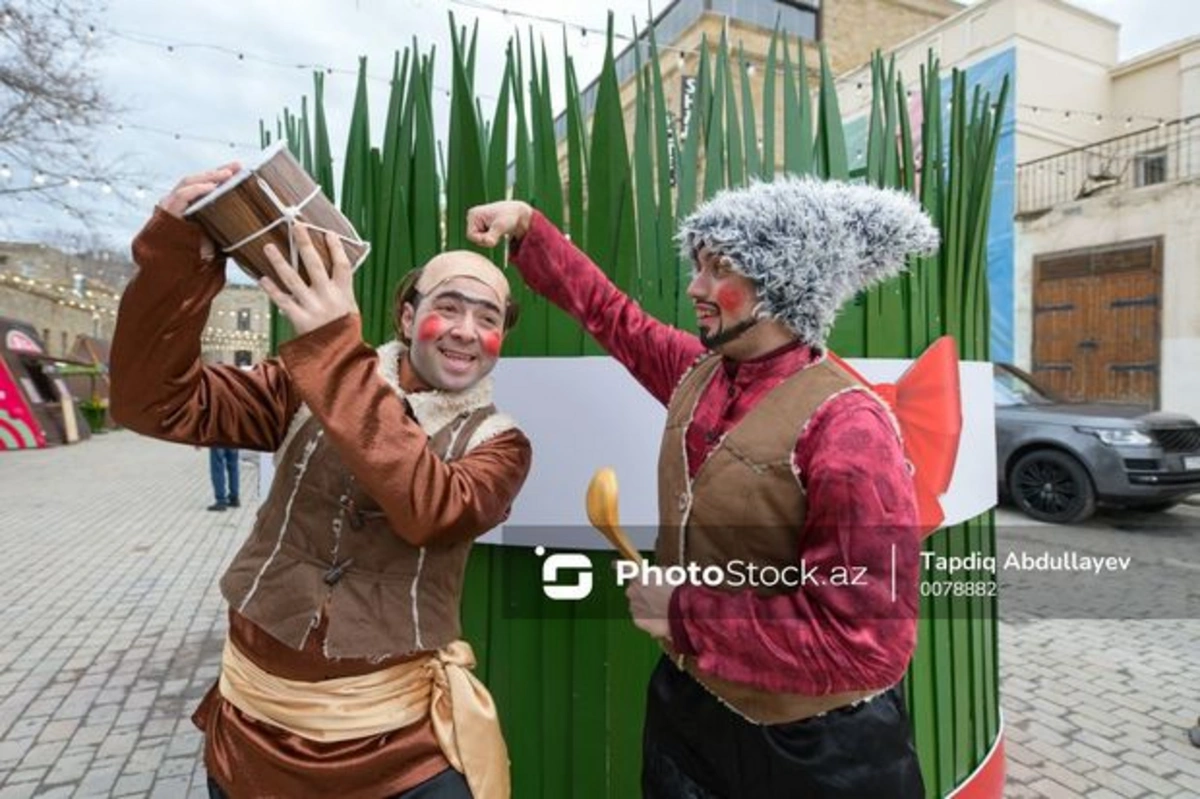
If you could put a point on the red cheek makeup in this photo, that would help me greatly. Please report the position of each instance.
(490, 342)
(730, 298)
(431, 329)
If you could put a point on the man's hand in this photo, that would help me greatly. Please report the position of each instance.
(327, 298)
(649, 605)
(488, 224)
(192, 188)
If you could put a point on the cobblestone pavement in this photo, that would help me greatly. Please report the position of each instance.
(114, 627)
(1097, 705)
(113, 623)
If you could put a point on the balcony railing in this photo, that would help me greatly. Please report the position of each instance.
(1162, 154)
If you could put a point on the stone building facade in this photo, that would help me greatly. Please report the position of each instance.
(65, 296)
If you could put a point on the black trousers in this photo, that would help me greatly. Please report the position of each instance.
(694, 747)
(448, 784)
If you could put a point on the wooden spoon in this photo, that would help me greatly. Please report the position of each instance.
(602, 512)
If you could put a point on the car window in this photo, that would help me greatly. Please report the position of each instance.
(1010, 389)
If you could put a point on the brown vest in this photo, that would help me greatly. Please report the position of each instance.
(746, 503)
(321, 544)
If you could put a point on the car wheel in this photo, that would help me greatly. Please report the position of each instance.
(1052, 486)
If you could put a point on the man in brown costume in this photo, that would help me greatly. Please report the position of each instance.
(343, 673)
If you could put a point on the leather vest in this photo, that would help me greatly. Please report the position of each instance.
(746, 503)
(322, 545)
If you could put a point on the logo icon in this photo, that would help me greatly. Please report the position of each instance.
(575, 565)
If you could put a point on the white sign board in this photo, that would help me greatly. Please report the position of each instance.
(585, 413)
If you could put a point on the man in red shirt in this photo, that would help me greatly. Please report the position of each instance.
(777, 462)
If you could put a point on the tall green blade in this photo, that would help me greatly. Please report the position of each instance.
(914, 290)
(714, 146)
(743, 144)
(358, 147)
(768, 125)
(932, 271)
(548, 182)
(426, 202)
(529, 337)
(891, 161)
(830, 160)
(471, 53)
(355, 173)
(563, 336)
(387, 197)
(465, 179)
(793, 146)
(804, 124)
(497, 160)
(523, 187)
(876, 140)
(645, 183)
(887, 313)
(612, 234)
(306, 156)
(322, 154)
(576, 156)
(665, 143)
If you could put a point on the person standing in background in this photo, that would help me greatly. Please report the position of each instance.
(223, 469)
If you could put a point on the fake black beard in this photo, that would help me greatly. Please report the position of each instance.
(726, 335)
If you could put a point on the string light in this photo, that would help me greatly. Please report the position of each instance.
(1096, 116)
(174, 45)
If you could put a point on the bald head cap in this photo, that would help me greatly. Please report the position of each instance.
(463, 263)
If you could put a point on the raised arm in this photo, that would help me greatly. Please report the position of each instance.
(655, 353)
(160, 387)
(426, 499)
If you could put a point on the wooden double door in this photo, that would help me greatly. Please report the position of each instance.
(1096, 322)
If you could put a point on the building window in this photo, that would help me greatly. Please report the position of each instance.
(63, 352)
(243, 357)
(46, 338)
(1150, 167)
(243, 319)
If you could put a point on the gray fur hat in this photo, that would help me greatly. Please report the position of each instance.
(810, 245)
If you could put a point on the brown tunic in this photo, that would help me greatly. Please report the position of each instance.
(161, 388)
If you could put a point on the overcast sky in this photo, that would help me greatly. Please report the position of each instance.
(200, 87)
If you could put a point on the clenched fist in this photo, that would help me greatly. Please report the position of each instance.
(488, 224)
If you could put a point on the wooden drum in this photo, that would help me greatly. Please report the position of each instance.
(262, 204)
